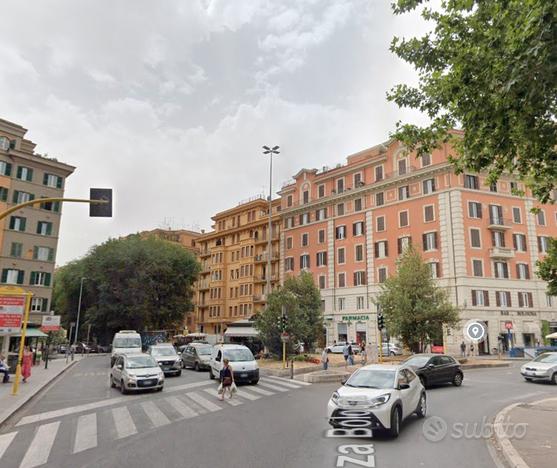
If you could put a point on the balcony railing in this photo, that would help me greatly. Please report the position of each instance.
(501, 252)
(201, 285)
(259, 298)
(263, 278)
(264, 257)
(496, 222)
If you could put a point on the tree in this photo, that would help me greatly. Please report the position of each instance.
(131, 283)
(302, 302)
(413, 306)
(547, 268)
(489, 66)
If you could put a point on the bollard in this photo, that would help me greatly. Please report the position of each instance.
(292, 369)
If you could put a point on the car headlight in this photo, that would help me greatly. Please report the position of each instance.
(132, 376)
(380, 400)
(335, 397)
(161, 374)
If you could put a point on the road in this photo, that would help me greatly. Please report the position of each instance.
(80, 422)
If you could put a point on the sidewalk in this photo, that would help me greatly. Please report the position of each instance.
(538, 447)
(40, 377)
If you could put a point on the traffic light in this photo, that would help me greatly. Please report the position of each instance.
(380, 321)
(284, 322)
(100, 210)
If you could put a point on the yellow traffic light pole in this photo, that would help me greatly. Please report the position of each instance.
(22, 343)
(39, 201)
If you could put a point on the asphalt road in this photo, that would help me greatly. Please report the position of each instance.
(80, 422)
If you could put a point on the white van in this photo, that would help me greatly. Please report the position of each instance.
(241, 359)
(125, 342)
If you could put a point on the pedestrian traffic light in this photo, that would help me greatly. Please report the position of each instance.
(284, 322)
(380, 321)
(100, 210)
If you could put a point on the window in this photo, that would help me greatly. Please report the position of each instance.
(321, 191)
(321, 236)
(358, 228)
(341, 232)
(381, 249)
(525, 299)
(322, 281)
(429, 213)
(501, 269)
(341, 303)
(471, 182)
(289, 223)
(541, 218)
(378, 173)
(480, 297)
(475, 210)
(359, 278)
(44, 228)
(5, 168)
(379, 199)
(340, 209)
(496, 215)
(517, 215)
(321, 259)
(522, 271)
(51, 206)
(428, 186)
(45, 254)
(549, 300)
(10, 276)
(304, 239)
(403, 243)
(289, 201)
(519, 242)
(289, 242)
(358, 180)
(39, 304)
(478, 267)
(498, 239)
(340, 185)
(380, 223)
(3, 194)
(304, 261)
(320, 214)
(429, 240)
(381, 274)
(543, 244)
(341, 280)
(304, 219)
(55, 181)
(40, 278)
(289, 264)
(305, 196)
(493, 187)
(403, 219)
(426, 160)
(475, 238)
(358, 204)
(360, 302)
(340, 256)
(17, 223)
(22, 197)
(434, 269)
(24, 173)
(402, 166)
(403, 192)
(359, 253)
(503, 299)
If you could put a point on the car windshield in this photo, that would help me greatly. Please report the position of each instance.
(163, 351)
(417, 361)
(546, 358)
(372, 378)
(127, 342)
(204, 350)
(238, 355)
(140, 362)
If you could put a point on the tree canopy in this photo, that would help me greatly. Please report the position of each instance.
(131, 283)
(547, 268)
(413, 306)
(489, 67)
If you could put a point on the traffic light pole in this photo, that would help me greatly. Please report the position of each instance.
(39, 201)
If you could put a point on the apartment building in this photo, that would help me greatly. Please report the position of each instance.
(347, 226)
(234, 261)
(29, 237)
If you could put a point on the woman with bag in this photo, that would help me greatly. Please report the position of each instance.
(226, 380)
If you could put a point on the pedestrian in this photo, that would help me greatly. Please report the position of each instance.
(4, 369)
(463, 349)
(472, 349)
(26, 363)
(350, 355)
(363, 353)
(325, 358)
(345, 354)
(226, 379)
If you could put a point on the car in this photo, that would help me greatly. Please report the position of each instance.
(125, 342)
(338, 348)
(81, 348)
(196, 355)
(381, 396)
(168, 359)
(136, 372)
(389, 349)
(436, 369)
(241, 359)
(544, 367)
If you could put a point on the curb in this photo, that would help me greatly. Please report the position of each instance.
(28, 398)
(484, 366)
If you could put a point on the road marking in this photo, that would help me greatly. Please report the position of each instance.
(5, 441)
(123, 422)
(184, 410)
(230, 401)
(284, 384)
(256, 389)
(272, 387)
(86, 433)
(247, 395)
(40, 447)
(208, 405)
(156, 416)
(296, 382)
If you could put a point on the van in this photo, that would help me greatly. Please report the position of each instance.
(125, 342)
(241, 359)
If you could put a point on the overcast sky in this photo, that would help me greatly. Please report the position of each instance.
(169, 102)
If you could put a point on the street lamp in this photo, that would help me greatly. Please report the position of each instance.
(270, 152)
(78, 309)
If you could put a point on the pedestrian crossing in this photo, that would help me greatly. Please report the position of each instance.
(40, 440)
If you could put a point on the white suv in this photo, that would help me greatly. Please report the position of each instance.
(381, 396)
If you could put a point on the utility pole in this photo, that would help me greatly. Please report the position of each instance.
(78, 309)
(270, 152)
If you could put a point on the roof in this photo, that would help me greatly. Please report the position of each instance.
(382, 367)
(241, 331)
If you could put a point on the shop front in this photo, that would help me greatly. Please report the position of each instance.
(359, 328)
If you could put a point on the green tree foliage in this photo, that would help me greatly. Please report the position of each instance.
(302, 301)
(547, 268)
(131, 283)
(489, 67)
(413, 306)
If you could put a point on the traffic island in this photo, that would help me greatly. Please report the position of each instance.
(326, 376)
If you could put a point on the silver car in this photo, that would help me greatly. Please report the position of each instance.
(544, 367)
(167, 357)
(136, 372)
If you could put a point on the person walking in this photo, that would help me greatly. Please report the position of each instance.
(4, 369)
(226, 379)
(472, 349)
(325, 359)
(463, 349)
(345, 354)
(26, 363)
(350, 355)
(363, 353)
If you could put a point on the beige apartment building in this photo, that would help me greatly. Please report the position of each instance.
(29, 237)
(234, 264)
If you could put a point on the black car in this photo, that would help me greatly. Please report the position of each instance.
(436, 369)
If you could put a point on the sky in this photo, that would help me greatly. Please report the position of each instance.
(169, 102)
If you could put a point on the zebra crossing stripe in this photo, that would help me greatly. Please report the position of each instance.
(256, 389)
(86, 433)
(184, 410)
(157, 417)
(5, 441)
(39, 449)
(208, 405)
(282, 379)
(247, 395)
(271, 386)
(230, 401)
(123, 422)
(284, 384)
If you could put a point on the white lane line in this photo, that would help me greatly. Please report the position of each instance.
(86, 433)
(284, 384)
(5, 441)
(98, 404)
(39, 450)
(184, 410)
(272, 387)
(123, 422)
(156, 416)
(247, 395)
(256, 389)
(230, 401)
(208, 405)
(297, 382)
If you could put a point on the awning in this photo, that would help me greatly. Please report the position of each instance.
(32, 333)
(241, 331)
(551, 336)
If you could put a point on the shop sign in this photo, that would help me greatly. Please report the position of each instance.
(355, 318)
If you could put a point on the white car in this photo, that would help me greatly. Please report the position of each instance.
(389, 349)
(136, 372)
(544, 367)
(338, 348)
(241, 360)
(381, 396)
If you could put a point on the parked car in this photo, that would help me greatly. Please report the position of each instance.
(168, 359)
(389, 349)
(382, 396)
(338, 347)
(241, 359)
(136, 372)
(81, 348)
(436, 369)
(196, 355)
(544, 367)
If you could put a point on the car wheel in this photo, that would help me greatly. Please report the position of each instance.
(553, 379)
(211, 376)
(528, 379)
(196, 367)
(179, 373)
(112, 384)
(159, 389)
(423, 380)
(123, 388)
(254, 382)
(457, 379)
(422, 406)
(394, 431)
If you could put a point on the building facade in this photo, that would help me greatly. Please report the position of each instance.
(234, 264)
(29, 237)
(349, 224)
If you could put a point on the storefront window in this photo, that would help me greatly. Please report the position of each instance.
(342, 332)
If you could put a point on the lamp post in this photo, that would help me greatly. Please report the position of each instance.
(78, 309)
(270, 152)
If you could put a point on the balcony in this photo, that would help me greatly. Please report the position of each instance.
(497, 223)
(259, 298)
(263, 278)
(205, 253)
(264, 239)
(203, 285)
(262, 258)
(501, 252)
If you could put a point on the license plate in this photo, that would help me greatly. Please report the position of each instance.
(243, 375)
(529, 372)
(146, 383)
